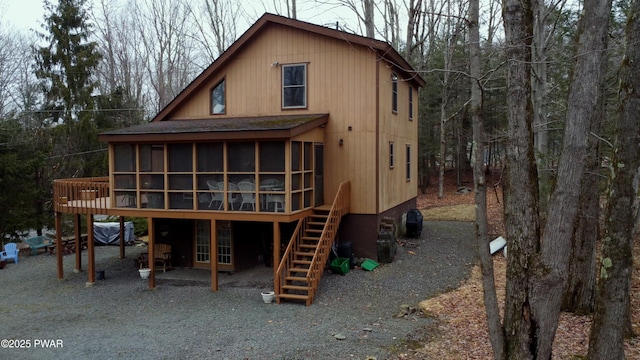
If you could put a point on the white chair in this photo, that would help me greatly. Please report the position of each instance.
(232, 194)
(248, 194)
(216, 194)
(277, 201)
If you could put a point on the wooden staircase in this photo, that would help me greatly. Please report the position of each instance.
(303, 262)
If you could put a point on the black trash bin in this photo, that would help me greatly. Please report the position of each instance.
(414, 223)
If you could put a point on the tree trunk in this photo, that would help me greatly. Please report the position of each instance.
(490, 297)
(368, 18)
(521, 181)
(539, 100)
(443, 132)
(606, 340)
(583, 108)
(580, 294)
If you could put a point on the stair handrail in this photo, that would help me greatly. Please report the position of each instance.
(287, 257)
(339, 208)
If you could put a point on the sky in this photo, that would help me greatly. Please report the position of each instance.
(28, 14)
(23, 14)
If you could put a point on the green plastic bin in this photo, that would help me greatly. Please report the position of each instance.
(340, 266)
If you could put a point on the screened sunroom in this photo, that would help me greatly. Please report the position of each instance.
(266, 174)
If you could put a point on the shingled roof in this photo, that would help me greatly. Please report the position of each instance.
(263, 127)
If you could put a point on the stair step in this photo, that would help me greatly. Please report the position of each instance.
(316, 223)
(306, 253)
(308, 246)
(293, 296)
(305, 262)
(295, 287)
(311, 238)
(298, 270)
(295, 278)
(318, 231)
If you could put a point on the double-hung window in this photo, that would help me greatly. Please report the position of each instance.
(294, 86)
(408, 162)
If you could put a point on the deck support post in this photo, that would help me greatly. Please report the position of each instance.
(213, 255)
(77, 229)
(91, 253)
(276, 253)
(122, 255)
(58, 224)
(151, 253)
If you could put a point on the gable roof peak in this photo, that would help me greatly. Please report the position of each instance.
(384, 49)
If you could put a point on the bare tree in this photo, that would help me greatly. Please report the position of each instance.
(612, 300)
(122, 69)
(215, 25)
(14, 56)
(454, 23)
(490, 297)
(363, 9)
(163, 27)
(584, 107)
(521, 181)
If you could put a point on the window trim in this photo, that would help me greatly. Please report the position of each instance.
(305, 86)
(224, 97)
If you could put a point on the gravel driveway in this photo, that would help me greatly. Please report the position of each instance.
(119, 318)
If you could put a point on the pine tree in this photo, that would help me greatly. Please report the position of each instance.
(67, 63)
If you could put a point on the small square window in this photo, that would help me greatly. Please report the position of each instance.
(218, 98)
(294, 86)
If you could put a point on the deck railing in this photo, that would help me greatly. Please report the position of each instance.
(339, 208)
(81, 196)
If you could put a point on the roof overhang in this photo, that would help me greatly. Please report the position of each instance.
(236, 128)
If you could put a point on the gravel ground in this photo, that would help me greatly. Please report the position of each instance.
(119, 318)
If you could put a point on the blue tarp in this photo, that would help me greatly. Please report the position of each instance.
(108, 233)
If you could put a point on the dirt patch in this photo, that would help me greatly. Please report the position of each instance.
(450, 213)
(457, 337)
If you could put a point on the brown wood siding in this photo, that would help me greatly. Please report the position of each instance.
(397, 128)
(341, 82)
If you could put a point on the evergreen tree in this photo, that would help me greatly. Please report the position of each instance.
(67, 63)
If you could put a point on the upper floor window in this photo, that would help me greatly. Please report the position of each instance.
(218, 99)
(410, 103)
(394, 92)
(294, 86)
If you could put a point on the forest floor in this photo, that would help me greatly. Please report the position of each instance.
(460, 330)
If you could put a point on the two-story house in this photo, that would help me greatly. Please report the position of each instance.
(296, 137)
